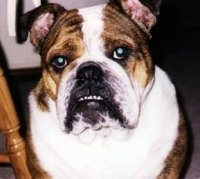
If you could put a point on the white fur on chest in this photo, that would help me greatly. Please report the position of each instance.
(140, 153)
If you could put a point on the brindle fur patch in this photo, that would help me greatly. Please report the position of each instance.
(139, 65)
(64, 39)
(41, 96)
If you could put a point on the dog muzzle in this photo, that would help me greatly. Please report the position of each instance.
(94, 98)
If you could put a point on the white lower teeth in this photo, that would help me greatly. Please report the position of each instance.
(91, 97)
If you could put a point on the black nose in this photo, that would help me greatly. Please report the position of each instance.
(89, 73)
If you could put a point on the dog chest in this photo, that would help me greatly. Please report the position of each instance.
(102, 158)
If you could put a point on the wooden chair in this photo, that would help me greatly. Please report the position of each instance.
(9, 125)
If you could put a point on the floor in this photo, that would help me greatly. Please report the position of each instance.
(179, 54)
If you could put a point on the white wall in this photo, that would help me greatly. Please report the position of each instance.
(23, 55)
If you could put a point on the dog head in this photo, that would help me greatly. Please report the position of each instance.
(95, 61)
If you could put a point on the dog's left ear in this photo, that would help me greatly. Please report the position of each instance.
(143, 12)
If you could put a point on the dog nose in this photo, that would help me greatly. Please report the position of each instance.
(89, 73)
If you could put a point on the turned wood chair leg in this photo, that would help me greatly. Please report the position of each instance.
(9, 125)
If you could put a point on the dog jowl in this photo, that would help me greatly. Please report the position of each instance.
(102, 109)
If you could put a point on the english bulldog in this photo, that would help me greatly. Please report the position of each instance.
(102, 109)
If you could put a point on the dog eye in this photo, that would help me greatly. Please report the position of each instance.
(121, 53)
(59, 62)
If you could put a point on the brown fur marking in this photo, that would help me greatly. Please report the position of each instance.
(64, 39)
(139, 65)
(176, 157)
(41, 96)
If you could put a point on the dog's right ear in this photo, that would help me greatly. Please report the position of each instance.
(38, 22)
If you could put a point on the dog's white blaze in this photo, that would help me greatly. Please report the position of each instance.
(92, 29)
(64, 156)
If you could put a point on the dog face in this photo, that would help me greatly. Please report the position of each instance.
(96, 66)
